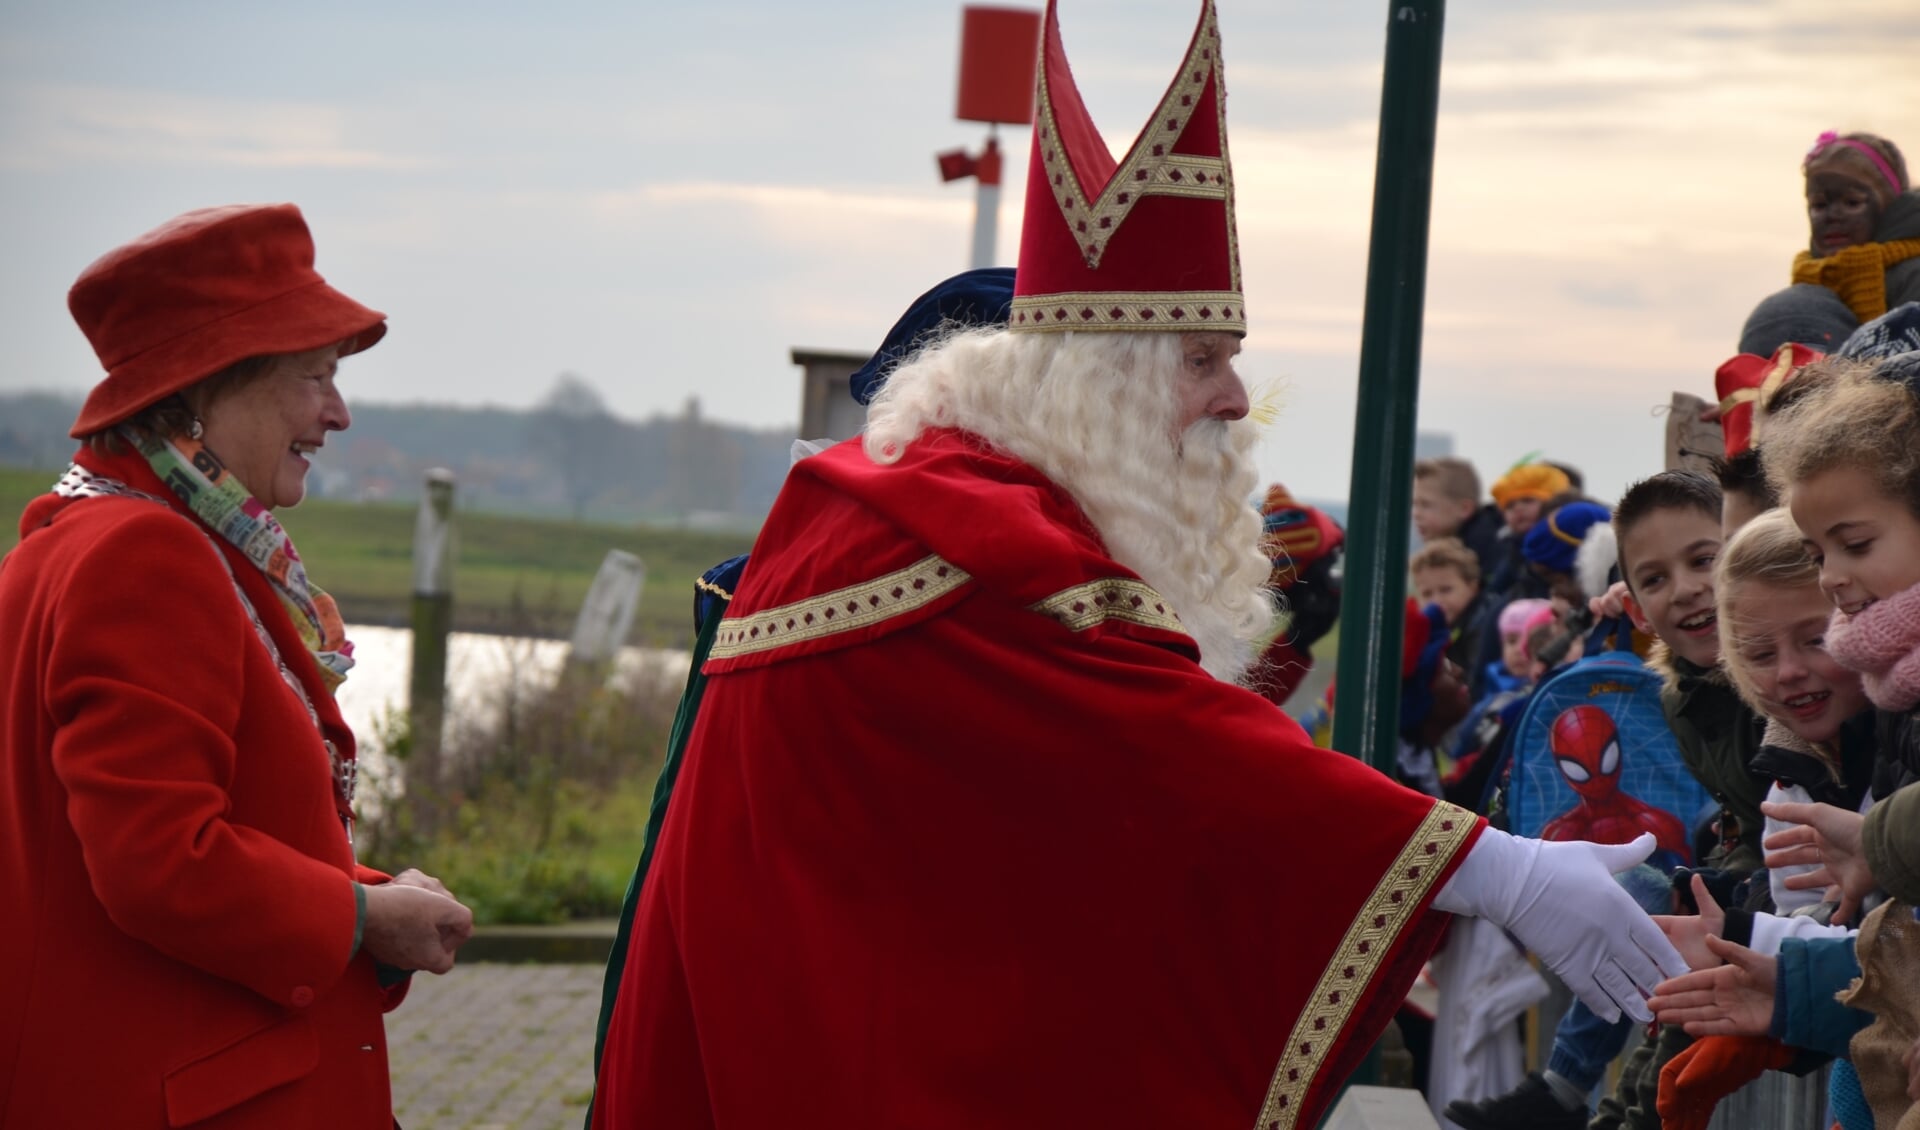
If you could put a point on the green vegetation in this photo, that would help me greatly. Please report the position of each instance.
(515, 574)
(537, 810)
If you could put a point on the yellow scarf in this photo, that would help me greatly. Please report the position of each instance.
(1858, 274)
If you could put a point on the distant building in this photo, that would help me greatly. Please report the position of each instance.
(827, 407)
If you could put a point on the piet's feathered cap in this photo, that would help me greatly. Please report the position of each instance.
(1146, 243)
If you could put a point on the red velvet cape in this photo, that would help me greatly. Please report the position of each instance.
(966, 837)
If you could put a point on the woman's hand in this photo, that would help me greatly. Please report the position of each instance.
(1689, 932)
(1827, 836)
(1734, 999)
(412, 877)
(411, 927)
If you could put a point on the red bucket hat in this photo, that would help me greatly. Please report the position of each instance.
(199, 293)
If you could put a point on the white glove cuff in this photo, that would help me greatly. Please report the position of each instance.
(1489, 882)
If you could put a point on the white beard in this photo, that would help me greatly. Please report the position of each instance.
(1094, 412)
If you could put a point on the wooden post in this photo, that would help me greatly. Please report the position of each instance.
(606, 615)
(433, 554)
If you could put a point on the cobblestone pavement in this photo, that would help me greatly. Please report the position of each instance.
(495, 1047)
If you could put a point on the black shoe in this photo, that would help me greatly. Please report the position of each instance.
(1530, 1106)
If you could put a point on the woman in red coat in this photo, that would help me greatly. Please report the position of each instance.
(188, 939)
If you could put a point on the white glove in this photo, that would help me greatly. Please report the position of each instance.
(1560, 900)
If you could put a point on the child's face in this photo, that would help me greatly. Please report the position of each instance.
(1513, 653)
(1867, 544)
(1443, 585)
(1780, 646)
(1434, 514)
(1668, 560)
(1841, 212)
(1521, 514)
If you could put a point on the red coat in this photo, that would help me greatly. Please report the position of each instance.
(965, 837)
(178, 885)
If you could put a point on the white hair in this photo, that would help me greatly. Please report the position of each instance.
(1096, 412)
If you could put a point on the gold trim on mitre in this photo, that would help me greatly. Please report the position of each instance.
(1151, 168)
(1193, 311)
(1362, 952)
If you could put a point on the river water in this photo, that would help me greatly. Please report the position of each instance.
(479, 668)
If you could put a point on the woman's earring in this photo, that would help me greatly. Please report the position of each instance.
(195, 430)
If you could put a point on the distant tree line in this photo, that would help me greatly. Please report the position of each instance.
(570, 454)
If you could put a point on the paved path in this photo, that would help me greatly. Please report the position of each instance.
(495, 1047)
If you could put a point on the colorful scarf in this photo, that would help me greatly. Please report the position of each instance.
(1858, 274)
(198, 477)
(1882, 642)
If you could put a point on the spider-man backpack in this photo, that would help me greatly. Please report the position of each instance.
(1592, 758)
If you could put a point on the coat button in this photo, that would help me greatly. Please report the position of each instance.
(302, 996)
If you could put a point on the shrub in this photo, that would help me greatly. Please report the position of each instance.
(542, 801)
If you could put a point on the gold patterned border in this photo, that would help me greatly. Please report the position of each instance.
(1187, 311)
(1366, 945)
(1149, 169)
(842, 610)
(1113, 598)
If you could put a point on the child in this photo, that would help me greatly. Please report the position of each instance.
(1518, 496)
(1864, 223)
(1445, 572)
(1446, 504)
(1818, 744)
(1523, 490)
(1847, 457)
(1572, 549)
(1516, 659)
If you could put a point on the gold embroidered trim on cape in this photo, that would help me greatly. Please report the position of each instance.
(1191, 311)
(842, 610)
(1149, 169)
(1113, 598)
(1370, 937)
(705, 585)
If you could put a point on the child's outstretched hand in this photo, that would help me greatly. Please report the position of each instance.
(1734, 999)
(1689, 932)
(1827, 836)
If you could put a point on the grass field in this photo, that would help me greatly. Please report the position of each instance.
(514, 574)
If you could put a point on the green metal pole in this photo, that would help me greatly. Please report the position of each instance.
(1366, 711)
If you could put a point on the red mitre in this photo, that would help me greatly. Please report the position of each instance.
(1748, 379)
(1149, 243)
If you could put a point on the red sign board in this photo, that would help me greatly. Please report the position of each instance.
(999, 48)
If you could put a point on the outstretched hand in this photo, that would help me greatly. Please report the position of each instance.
(1689, 932)
(1733, 999)
(1565, 906)
(1826, 836)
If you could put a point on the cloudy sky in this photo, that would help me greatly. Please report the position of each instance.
(665, 198)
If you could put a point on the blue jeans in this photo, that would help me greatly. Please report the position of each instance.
(1584, 1044)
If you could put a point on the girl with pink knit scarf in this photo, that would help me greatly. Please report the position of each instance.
(1846, 457)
